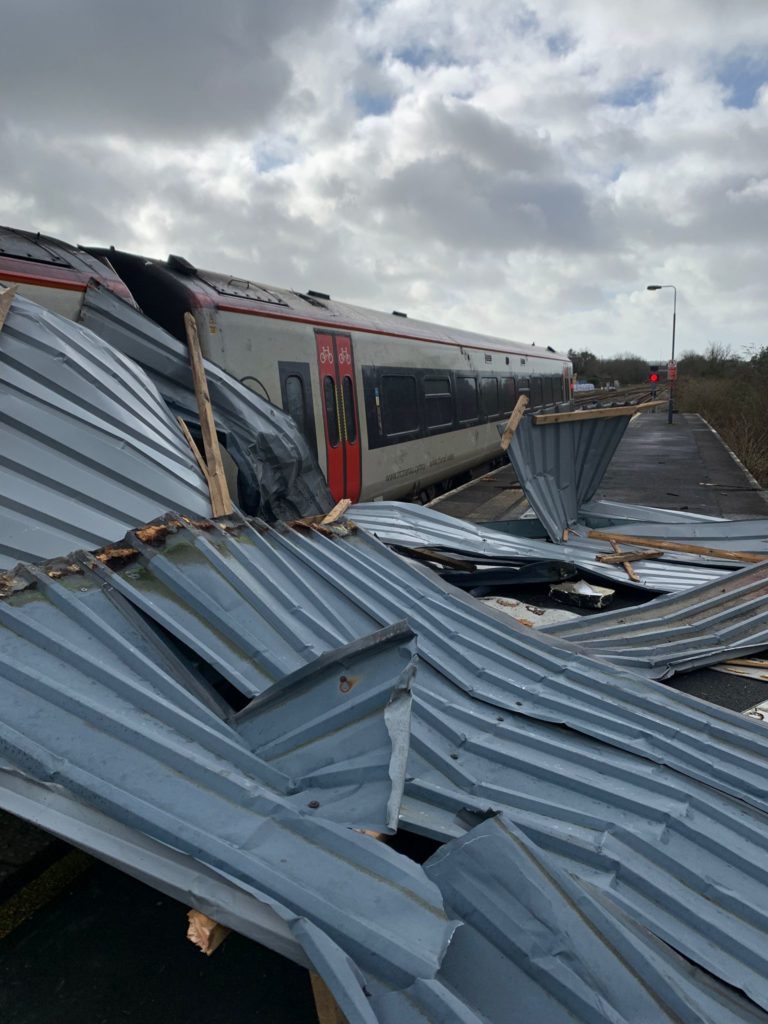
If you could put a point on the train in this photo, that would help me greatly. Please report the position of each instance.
(391, 406)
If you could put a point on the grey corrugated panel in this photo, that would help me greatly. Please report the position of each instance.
(340, 724)
(617, 785)
(561, 465)
(73, 715)
(279, 477)
(577, 753)
(538, 946)
(603, 511)
(87, 446)
(680, 632)
(176, 874)
(400, 524)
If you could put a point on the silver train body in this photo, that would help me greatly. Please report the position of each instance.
(392, 407)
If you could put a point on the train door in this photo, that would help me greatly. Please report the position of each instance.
(340, 417)
(296, 393)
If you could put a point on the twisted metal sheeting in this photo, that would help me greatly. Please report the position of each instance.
(88, 447)
(402, 525)
(640, 809)
(561, 465)
(680, 632)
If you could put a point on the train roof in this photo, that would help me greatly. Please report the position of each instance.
(32, 258)
(238, 294)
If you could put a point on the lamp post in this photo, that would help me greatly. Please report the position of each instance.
(670, 383)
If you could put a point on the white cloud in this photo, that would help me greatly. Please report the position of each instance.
(520, 171)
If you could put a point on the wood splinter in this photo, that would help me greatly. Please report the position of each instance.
(221, 503)
(514, 421)
(204, 932)
(336, 512)
(625, 564)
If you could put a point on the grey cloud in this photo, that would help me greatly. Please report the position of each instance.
(463, 205)
(170, 70)
(485, 139)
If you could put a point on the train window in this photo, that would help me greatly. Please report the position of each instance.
(537, 395)
(508, 394)
(399, 404)
(489, 396)
(348, 402)
(466, 398)
(550, 390)
(331, 411)
(438, 399)
(295, 404)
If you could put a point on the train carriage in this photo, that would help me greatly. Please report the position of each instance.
(391, 406)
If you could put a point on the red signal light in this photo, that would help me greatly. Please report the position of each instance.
(653, 378)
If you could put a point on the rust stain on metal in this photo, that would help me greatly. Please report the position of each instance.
(346, 683)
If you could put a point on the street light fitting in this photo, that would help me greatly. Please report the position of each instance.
(654, 287)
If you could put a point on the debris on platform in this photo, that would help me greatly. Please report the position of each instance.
(704, 626)
(582, 594)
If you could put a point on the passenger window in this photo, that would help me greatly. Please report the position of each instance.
(508, 394)
(399, 404)
(466, 398)
(294, 401)
(536, 392)
(489, 396)
(331, 411)
(438, 399)
(348, 401)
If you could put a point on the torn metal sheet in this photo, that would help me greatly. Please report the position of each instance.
(77, 715)
(653, 799)
(340, 724)
(680, 632)
(536, 945)
(88, 448)
(401, 525)
(277, 475)
(561, 465)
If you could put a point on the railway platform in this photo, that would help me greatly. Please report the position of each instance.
(80, 941)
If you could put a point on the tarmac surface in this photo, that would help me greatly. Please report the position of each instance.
(82, 942)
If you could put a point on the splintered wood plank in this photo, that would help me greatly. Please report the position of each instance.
(336, 512)
(514, 421)
(673, 545)
(328, 1011)
(625, 564)
(221, 503)
(204, 932)
(195, 450)
(6, 298)
(541, 419)
(628, 556)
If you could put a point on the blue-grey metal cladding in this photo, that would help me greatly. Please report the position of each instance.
(561, 465)
(539, 945)
(399, 524)
(88, 447)
(654, 802)
(75, 713)
(278, 477)
(680, 632)
(601, 767)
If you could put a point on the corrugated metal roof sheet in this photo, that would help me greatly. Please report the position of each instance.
(680, 632)
(561, 465)
(404, 525)
(653, 801)
(88, 447)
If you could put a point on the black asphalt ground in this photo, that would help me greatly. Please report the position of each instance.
(81, 942)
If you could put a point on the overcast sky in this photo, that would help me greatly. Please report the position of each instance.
(519, 169)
